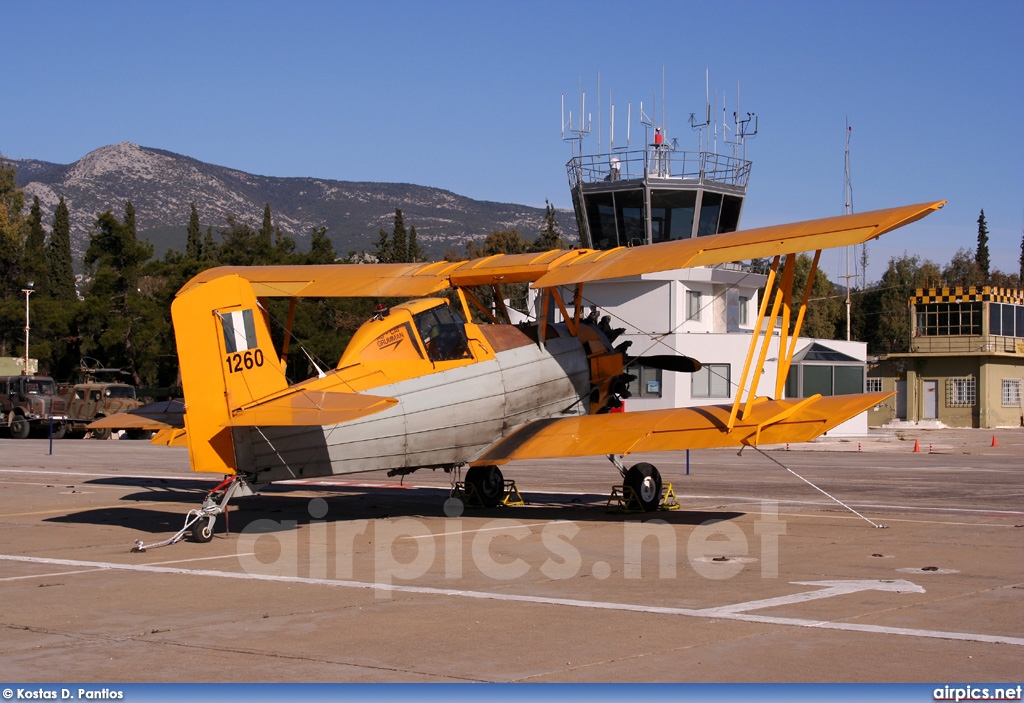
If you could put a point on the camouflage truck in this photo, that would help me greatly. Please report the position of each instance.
(93, 400)
(29, 403)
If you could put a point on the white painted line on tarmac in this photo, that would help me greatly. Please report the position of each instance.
(185, 561)
(720, 613)
(56, 573)
(435, 535)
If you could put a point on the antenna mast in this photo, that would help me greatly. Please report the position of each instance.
(576, 131)
(848, 197)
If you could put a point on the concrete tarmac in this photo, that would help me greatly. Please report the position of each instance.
(759, 576)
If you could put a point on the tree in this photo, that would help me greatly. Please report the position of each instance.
(498, 242)
(1022, 257)
(62, 270)
(121, 323)
(239, 245)
(12, 232)
(981, 257)
(415, 251)
(549, 238)
(321, 249)
(890, 333)
(963, 271)
(34, 264)
(194, 244)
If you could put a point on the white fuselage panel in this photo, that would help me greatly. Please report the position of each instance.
(442, 419)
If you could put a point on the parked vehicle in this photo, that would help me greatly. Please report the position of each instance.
(91, 401)
(30, 403)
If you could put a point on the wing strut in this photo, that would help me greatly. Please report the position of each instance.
(782, 306)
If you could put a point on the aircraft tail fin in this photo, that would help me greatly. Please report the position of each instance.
(227, 361)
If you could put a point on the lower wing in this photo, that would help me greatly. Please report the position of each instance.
(704, 427)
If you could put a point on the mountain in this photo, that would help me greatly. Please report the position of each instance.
(161, 185)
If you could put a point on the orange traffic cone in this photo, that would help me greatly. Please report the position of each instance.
(994, 442)
(917, 447)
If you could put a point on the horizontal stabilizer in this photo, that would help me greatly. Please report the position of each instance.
(769, 422)
(309, 408)
(167, 414)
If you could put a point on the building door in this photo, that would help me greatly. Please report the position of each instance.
(901, 400)
(931, 400)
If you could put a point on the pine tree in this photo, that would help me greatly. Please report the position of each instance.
(34, 264)
(399, 240)
(550, 238)
(384, 255)
(194, 245)
(415, 251)
(981, 255)
(1022, 258)
(321, 248)
(62, 270)
(121, 323)
(265, 238)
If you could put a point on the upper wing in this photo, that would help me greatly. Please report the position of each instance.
(769, 422)
(763, 242)
(554, 268)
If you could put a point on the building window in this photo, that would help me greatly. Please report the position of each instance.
(949, 319)
(1006, 320)
(874, 385)
(693, 305)
(960, 392)
(744, 302)
(1011, 393)
(712, 381)
(648, 382)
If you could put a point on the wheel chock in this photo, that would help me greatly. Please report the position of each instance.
(624, 500)
(467, 493)
(512, 494)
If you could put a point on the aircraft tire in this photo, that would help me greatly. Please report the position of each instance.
(202, 530)
(488, 482)
(20, 427)
(101, 434)
(645, 480)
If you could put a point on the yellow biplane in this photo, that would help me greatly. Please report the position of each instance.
(423, 386)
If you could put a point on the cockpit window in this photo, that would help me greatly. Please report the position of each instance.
(443, 334)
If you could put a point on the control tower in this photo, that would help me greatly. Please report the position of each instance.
(658, 193)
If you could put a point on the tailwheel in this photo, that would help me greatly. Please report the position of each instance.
(488, 483)
(645, 481)
(202, 529)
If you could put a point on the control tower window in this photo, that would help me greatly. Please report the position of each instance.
(443, 334)
(672, 214)
(710, 207)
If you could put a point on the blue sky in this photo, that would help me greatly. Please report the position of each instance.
(466, 96)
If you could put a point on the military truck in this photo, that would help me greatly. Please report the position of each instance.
(29, 403)
(93, 400)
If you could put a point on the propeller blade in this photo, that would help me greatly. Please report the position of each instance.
(682, 364)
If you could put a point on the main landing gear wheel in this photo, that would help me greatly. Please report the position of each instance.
(645, 480)
(202, 529)
(488, 482)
